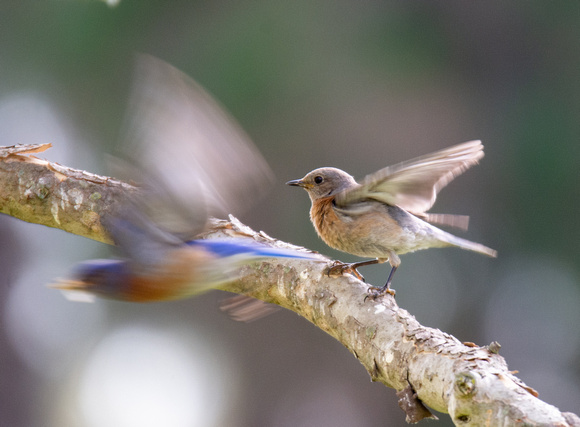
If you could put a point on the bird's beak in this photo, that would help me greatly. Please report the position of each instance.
(297, 183)
(73, 290)
(68, 285)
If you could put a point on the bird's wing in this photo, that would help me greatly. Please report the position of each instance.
(413, 185)
(190, 156)
(460, 222)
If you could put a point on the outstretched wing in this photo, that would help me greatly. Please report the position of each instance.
(413, 185)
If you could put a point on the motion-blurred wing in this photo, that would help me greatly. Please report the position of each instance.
(413, 185)
(191, 157)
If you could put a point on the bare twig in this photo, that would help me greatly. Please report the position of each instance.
(426, 366)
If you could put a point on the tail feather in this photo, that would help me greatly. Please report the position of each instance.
(469, 245)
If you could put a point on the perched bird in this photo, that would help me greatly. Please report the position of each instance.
(191, 161)
(384, 215)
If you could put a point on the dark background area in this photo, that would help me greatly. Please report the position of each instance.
(355, 85)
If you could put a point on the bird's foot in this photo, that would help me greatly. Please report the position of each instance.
(374, 292)
(339, 268)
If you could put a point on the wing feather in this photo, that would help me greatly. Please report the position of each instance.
(413, 185)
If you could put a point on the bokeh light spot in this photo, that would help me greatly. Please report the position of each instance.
(144, 377)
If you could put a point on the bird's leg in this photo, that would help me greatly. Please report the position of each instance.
(386, 289)
(395, 261)
(341, 268)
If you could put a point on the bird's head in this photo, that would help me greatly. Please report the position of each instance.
(324, 182)
(100, 277)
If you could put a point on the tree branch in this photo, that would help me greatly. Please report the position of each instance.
(425, 365)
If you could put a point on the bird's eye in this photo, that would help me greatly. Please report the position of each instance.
(318, 179)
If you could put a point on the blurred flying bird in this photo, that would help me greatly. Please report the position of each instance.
(384, 215)
(192, 161)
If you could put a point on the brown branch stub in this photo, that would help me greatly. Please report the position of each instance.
(428, 366)
(23, 149)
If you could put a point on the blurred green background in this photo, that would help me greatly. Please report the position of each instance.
(355, 85)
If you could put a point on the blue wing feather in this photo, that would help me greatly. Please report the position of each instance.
(233, 247)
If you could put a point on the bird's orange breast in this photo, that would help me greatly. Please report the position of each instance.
(328, 225)
(371, 233)
(174, 279)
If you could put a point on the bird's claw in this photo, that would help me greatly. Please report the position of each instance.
(339, 268)
(374, 293)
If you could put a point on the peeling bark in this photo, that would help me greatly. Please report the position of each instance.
(412, 406)
(425, 365)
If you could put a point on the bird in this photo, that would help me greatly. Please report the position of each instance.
(167, 270)
(191, 161)
(385, 214)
